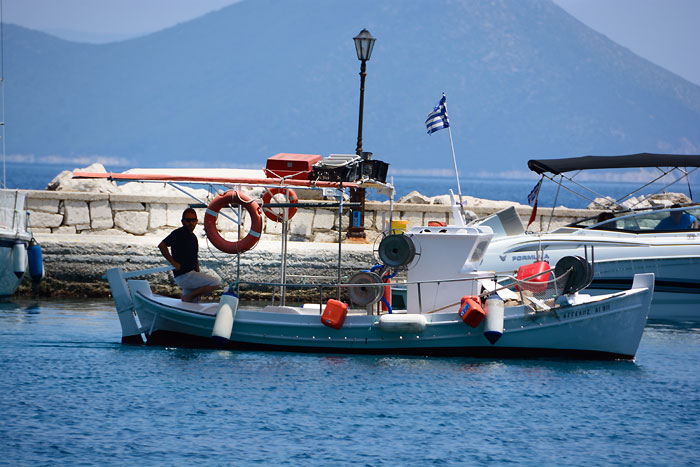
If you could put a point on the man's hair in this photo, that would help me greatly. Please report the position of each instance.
(190, 210)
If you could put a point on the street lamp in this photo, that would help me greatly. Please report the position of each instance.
(364, 43)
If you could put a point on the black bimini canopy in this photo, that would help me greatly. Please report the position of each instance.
(633, 161)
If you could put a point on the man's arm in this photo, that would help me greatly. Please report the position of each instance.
(165, 251)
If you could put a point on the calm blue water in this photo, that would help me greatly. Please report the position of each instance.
(71, 394)
(37, 176)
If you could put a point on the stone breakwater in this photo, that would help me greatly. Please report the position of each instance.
(76, 263)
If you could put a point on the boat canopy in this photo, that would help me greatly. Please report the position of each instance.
(632, 161)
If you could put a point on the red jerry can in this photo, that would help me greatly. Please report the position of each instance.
(470, 310)
(334, 314)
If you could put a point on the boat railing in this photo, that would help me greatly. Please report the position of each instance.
(526, 290)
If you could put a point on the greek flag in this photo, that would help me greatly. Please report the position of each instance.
(535, 191)
(437, 119)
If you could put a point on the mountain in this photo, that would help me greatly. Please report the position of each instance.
(523, 80)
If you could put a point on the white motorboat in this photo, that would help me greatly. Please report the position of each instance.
(452, 308)
(625, 242)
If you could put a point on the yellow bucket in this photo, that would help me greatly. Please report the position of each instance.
(399, 226)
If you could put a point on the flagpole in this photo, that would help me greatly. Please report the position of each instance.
(459, 188)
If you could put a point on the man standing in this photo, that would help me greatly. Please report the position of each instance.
(184, 257)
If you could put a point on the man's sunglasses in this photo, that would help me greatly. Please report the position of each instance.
(190, 219)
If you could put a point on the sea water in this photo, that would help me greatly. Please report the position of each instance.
(72, 394)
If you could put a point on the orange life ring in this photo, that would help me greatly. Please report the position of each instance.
(267, 197)
(212, 212)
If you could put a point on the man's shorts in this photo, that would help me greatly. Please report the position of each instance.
(191, 281)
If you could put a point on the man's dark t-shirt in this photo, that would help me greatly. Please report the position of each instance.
(184, 248)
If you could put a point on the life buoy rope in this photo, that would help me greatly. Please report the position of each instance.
(267, 197)
(212, 213)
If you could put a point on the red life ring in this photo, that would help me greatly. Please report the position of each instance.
(212, 212)
(267, 197)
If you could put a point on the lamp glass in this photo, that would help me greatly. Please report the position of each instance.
(364, 43)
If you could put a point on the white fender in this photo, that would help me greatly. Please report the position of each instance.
(19, 259)
(225, 316)
(493, 327)
(403, 322)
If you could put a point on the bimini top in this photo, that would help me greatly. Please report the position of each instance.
(645, 159)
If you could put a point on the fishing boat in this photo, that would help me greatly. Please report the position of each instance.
(452, 308)
(626, 240)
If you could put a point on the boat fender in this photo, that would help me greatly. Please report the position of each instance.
(493, 327)
(412, 322)
(290, 195)
(19, 259)
(225, 316)
(470, 310)
(36, 261)
(334, 314)
(235, 198)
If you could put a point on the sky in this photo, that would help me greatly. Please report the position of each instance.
(662, 31)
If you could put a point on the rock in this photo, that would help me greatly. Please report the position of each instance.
(668, 199)
(660, 199)
(602, 203)
(415, 198)
(65, 181)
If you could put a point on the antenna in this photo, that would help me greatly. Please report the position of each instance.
(2, 93)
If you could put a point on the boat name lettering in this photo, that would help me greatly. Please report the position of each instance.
(586, 311)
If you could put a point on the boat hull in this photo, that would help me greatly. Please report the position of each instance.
(606, 328)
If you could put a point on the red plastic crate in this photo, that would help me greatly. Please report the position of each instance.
(294, 166)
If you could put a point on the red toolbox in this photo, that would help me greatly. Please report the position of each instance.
(294, 166)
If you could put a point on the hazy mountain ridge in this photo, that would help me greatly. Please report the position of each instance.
(523, 80)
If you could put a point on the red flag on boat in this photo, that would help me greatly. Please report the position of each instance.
(533, 196)
(533, 215)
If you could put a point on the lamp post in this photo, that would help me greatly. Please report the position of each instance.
(364, 43)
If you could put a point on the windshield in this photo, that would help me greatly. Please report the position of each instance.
(666, 220)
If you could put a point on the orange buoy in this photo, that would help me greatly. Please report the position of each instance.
(470, 310)
(267, 197)
(234, 198)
